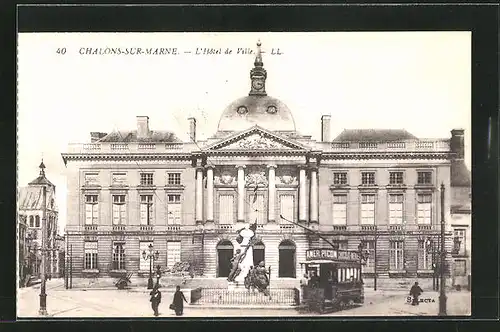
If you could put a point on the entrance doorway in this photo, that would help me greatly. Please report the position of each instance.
(224, 254)
(259, 253)
(286, 259)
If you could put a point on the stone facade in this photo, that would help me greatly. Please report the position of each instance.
(190, 199)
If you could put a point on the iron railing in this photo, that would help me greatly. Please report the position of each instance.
(223, 296)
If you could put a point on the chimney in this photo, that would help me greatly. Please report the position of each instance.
(457, 145)
(325, 128)
(192, 129)
(96, 136)
(142, 126)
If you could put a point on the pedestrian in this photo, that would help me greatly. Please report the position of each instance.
(314, 280)
(415, 292)
(155, 299)
(158, 275)
(178, 303)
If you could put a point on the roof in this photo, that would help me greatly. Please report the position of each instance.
(262, 110)
(41, 180)
(374, 135)
(460, 175)
(30, 198)
(131, 136)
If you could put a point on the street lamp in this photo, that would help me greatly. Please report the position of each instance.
(151, 256)
(363, 257)
(431, 250)
(442, 254)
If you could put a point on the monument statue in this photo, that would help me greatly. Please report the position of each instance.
(243, 260)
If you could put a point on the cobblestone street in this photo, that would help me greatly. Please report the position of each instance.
(135, 303)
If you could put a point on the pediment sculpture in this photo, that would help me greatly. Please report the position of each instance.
(288, 179)
(256, 142)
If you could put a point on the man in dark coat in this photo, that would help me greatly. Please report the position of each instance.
(235, 261)
(155, 299)
(415, 292)
(178, 303)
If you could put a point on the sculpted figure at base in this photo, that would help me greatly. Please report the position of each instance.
(235, 261)
(258, 277)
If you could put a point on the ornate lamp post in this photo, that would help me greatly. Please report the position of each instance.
(363, 257)
(431, 250)
(151, 256)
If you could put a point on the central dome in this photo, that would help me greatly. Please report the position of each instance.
(262, 110)
(257, 108)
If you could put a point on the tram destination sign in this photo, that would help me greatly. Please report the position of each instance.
(332, 254)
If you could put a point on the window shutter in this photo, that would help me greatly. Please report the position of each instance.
(144, 214)
(88, 214)
(116, 214)
(123, 213)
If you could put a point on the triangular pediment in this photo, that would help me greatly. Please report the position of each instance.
(256, 138)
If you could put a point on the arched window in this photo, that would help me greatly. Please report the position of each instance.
(37, 221)
(32, 222)
(225, 251)
(286, 259)
(259, 253)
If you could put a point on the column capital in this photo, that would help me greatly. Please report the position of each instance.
(313, 168)
(272, 166)
(209, 166)
(200, 168)
(240, 166)
(303, 166)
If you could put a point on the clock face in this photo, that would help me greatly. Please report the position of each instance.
(258, 84)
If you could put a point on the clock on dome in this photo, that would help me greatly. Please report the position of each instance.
(258, 84)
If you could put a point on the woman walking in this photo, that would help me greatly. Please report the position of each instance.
(178, 303)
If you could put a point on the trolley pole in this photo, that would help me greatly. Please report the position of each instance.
(442, 294)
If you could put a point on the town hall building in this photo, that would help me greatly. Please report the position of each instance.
(382, 188)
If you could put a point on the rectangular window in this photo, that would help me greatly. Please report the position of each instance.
(424, 177)
(119, 256)
(339, 178)
(91, 210)
(396, 209)
(119, 210)
(424, 209)
(226, 209)
(91, 179)
(342, 245)
(147, 209)
(119, 179)
(257, 209)
(146, 179)
(369, 247)
(173, 252)
(396, 260)
(459, 241)
(339, 209)
(174, 179)
(425, 255)
(367, 178)
(144, 263)
(287, 207)
(368, 209)
(174, 209)
(460, 268)
(396, 178)
(90, 250)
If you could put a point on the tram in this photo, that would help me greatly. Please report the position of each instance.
(335, 281)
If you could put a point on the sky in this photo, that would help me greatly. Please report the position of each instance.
(419, 81)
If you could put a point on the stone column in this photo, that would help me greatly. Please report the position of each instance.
(199, 195)
(272, 193)
(210, 194)
(314, 195)
(302, 194)
(241, 193)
